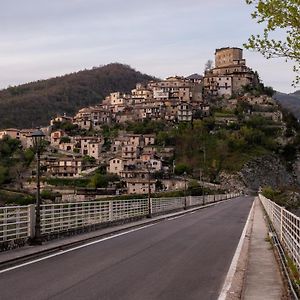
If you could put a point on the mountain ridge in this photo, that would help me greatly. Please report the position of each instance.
(291, 102)
(35, 103)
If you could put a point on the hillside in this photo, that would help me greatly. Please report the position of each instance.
(33, 104)
(290, 101)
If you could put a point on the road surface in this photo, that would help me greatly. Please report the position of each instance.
(181, 258)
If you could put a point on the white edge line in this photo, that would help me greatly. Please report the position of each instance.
(73, 249)
(174, 218)
(233, 265)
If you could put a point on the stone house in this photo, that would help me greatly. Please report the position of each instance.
(139, 186)
(100, 116)
(61, 119)
(116, 165)
(25, 137)
(64, 166)
(230, 73)
(68, 146)
(56, 136)
(11, 132)
(90, 145)
(141, 94)
(184, 112)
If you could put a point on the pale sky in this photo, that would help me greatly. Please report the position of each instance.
(40, 39)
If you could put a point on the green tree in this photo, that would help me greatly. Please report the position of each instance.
(3, 174)
(181, 168)
(278, 15)
(99, 181)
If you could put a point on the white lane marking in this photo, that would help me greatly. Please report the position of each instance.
(73, 249)
(173, 218)
(233, 265)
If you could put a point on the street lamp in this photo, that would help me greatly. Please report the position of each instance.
(148, 166)
(185, 204)
(37, 138)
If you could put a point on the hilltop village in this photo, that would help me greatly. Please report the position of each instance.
(97, 138)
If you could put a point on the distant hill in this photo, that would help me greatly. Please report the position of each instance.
(290, 101)
(33, 104)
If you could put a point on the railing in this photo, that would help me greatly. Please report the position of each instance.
(14, 223)
(287, 227)
(18, 222)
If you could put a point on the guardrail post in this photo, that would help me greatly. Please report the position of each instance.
(5, 222)
(149, 207)
(31, 220)
(110, 210)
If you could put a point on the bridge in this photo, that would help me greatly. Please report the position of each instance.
(211, 247)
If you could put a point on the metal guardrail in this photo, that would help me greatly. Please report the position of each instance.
(18, 222)
(287, 227)
(14, 223)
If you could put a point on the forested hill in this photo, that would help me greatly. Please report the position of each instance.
(33, 104)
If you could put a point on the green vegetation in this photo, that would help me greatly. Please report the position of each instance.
(258, 90)
(146, 127)
(207, 147)
(49, 195)
(69, 182)
(37, 102)
(13, 160)
(277, 16)
(15, 198)
(282, 196)
(97, 180)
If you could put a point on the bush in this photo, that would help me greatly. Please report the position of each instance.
(70, 182)
(50, 195)
(14, 198)
(181, 168)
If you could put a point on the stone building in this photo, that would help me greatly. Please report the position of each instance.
(230, 73)
(64, 166)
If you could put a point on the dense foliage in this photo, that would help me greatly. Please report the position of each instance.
(204, 146)
(277, 16)
(13, 160)
(36, 103)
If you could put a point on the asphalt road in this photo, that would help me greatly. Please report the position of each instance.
(182, 258)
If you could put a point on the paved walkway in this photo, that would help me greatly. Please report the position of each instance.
(263, 279)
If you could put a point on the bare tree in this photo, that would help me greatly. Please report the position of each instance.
(208, 65)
